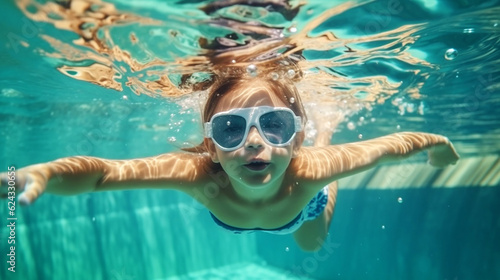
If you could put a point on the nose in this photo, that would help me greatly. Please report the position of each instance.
(254, 139)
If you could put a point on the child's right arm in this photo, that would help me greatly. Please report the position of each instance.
(76, 175)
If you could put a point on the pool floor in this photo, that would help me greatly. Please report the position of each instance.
(239, 271)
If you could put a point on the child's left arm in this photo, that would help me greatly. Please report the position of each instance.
(327, 164)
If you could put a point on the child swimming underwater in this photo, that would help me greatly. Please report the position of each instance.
(254, 173)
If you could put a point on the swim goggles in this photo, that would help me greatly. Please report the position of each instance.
(229, 130)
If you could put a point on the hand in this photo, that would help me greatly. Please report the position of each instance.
(30, 183)
(442, 155)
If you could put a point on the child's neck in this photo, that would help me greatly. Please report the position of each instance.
(257, 193)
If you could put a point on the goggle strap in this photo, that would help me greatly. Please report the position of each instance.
(298, 123)
(208, 130)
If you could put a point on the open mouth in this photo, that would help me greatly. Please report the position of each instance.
(257, 165)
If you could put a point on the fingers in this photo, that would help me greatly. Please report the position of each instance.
(28, 186)
(442, 156)
(4, 187)
(456, 156)
(35, 186)
(10, 182)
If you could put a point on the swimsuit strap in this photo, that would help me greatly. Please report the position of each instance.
(241, 230)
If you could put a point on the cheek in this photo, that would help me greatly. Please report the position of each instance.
(227, 160)
(282, 158)
(222, 156)
(283, 154)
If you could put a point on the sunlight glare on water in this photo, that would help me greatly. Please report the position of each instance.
(340, 59)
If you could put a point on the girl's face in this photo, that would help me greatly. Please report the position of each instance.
(256, 163)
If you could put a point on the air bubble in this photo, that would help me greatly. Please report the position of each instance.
(125, 97)
(398, 127)
(228, 123)
(275, 76)
(292, 100)
(383, 226)
(351, 126)
(360, 136)
(292, 29)
(252, 70)
(287, 249)
(172, 139)
(400, 200)
(451, 54)
(233, 61)
(291, 73)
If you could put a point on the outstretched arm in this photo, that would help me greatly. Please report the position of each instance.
(76, 175)
(326, 164)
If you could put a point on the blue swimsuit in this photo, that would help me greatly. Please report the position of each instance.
(312, 210)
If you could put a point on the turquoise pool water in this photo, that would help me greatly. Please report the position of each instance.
(388, 66)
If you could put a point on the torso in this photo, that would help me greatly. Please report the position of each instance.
(237, 212)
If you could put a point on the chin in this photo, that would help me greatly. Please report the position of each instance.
(258, 180)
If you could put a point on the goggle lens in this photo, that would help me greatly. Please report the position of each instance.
(278, 127)
(228, 130)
